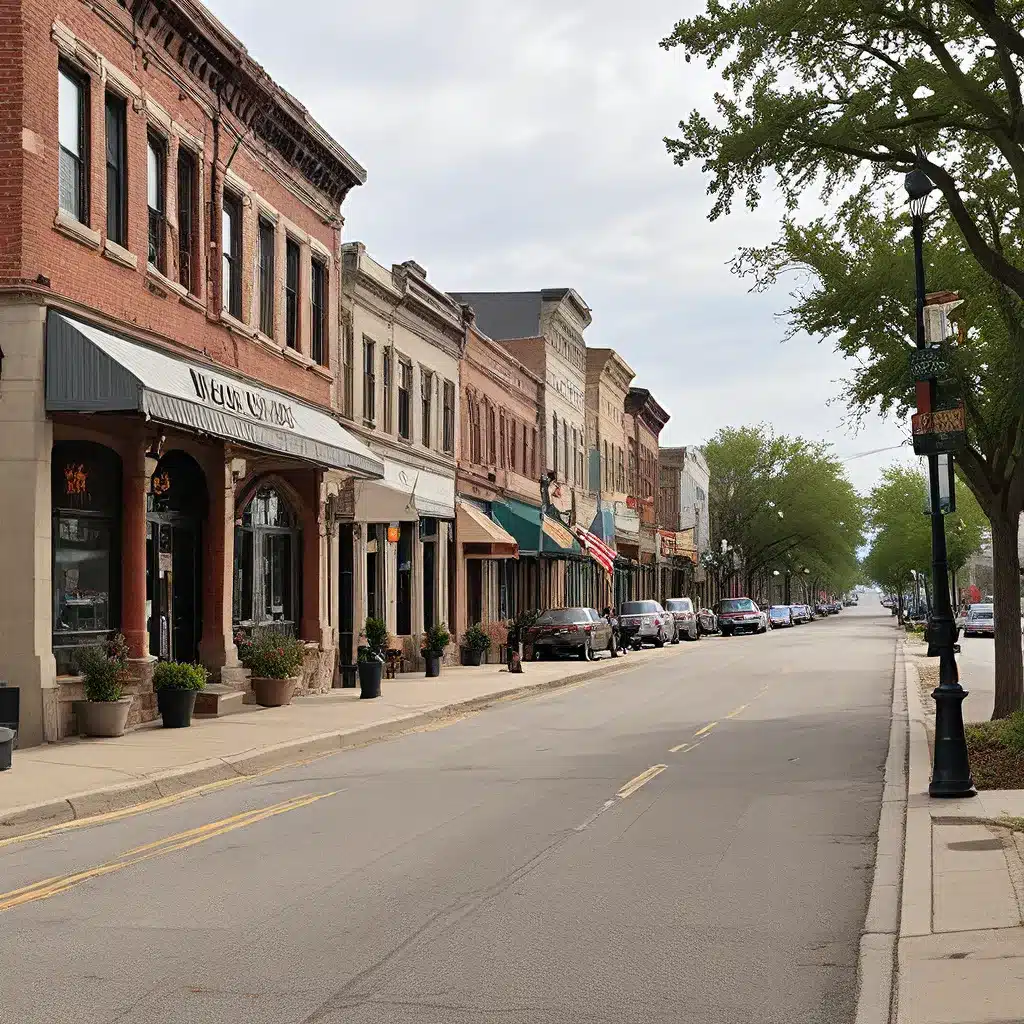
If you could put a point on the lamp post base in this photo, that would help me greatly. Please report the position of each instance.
(951, 771)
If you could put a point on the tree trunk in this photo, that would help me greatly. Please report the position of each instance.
(1006, 596)
(899, 607)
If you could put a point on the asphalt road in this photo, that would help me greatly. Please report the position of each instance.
(505, 867)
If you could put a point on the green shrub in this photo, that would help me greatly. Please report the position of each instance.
(520, 625)
(179, 675)
(105, 669)
(475, 639)
(270, 655)
(436, 639)
(378, 640)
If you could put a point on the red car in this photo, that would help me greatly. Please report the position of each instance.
(740, 615)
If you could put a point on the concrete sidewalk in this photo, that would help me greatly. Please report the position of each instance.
(81, 777)
(960, 952)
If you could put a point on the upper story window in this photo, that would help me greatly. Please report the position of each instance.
(73, 134)
(386, 387)
(492, 440)
(188, 198)
(502, 439)
(348, 369)
(231, 243)
(427, 405)
(404, 399)
(448, 418)
(369, 380)
(115, 121)
(291, 294)
(513, 437)
(475, 454)
(318, 313)
(268, 247)
(156, 182)
(554, 444)
(533, 452)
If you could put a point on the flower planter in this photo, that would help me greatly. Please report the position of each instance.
(273, 693)
(433, 663)
(103, 717)
(472, 657)
(369, 679)
(176, 707)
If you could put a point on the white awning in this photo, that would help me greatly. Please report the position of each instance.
(406, 493)
(90, 370)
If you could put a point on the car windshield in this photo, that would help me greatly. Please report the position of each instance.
(737, 604)
(640, 608)
(679, 604)
(981, 613)
(779, 613)
(562, 616)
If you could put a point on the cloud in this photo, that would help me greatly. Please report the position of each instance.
(519, 146)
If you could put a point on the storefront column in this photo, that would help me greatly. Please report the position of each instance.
(133, 551)
(417, 578)
(391, 585)
(217, 648)
(358, 584)
(442, 570)
(311, 567)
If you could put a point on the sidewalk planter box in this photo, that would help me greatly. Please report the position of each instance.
(176, 707)
(273, 693)
(433, 664)
(472, 657)
(369, 679)
(103, 717)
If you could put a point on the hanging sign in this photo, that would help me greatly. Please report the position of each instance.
(944, 430)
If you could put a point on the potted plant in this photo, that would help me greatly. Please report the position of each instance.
(474, 642)
(435, 640)
(104, 712)
(371, 657)
(518, 629)
(176, 684)
(274, 662)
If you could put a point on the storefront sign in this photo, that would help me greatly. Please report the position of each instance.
(394, 533)
(677, 544)
(242, 400)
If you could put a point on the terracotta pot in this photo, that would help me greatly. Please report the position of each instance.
(103, 717)
(273, 693)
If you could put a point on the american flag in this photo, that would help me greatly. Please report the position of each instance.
(596, 548)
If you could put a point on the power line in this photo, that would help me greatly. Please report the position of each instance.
(874, 451)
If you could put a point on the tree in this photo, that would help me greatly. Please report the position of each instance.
(781, 504)
(836, 101)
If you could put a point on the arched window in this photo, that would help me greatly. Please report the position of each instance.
(268, 562)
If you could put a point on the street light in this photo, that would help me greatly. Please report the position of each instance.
(951, 771)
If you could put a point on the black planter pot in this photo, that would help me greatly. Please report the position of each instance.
(176, 707)
(369, 679)
(433, 663)
(471, 657)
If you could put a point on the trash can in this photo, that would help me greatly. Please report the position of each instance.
(6, 748)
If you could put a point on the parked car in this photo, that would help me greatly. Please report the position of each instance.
(800, 614)
(707, 622)
(646, 622)
(980, 620)
(740, 615)
(579, 631)
(780, 615)
(681, 609)
(812, 612)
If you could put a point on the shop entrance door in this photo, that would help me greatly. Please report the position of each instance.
(176, 508)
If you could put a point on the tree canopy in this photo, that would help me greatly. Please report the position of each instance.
(783, 503)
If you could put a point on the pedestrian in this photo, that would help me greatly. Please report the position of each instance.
(616, 636)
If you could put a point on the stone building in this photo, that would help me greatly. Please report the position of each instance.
(170, 224)
(544, 331)
(402, 340)
(498, 482)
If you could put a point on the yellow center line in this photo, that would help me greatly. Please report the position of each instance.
(738, 711)
(678, 748)
(707, 728)
(170, 844)
(641, 780)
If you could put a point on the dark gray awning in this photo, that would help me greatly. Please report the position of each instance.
(90, 370)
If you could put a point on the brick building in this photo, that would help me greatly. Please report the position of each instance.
(169, 462)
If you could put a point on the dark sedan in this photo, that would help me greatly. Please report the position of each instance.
(780, 615)
(579, 631)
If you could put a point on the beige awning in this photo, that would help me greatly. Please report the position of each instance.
(480, 536)
(558, 533)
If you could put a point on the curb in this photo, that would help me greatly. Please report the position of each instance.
(876, 966)
(237, 767)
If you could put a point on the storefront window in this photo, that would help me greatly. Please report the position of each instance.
(268, 547)
(86, 501)
(404, 619)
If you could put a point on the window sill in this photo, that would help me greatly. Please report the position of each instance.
(194, 301)
(233, 324)
(296, 357)
(68, 225)
(321, 371)
(163, 282)
(119, 254)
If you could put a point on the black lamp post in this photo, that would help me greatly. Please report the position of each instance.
(951, 772)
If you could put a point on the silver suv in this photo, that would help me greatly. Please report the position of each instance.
(646, 621)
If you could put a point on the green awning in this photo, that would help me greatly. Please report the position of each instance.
(523, 522)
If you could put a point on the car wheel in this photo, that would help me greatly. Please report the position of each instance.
(696, 636)
(676, 637)
(587, 652)
(613, 648)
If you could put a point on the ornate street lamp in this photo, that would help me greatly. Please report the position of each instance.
(951, 771)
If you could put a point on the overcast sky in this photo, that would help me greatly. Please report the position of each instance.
(519, 146)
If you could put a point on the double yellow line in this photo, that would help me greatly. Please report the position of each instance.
(171, 844)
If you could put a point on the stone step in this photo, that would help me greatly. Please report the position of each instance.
(218, 700)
